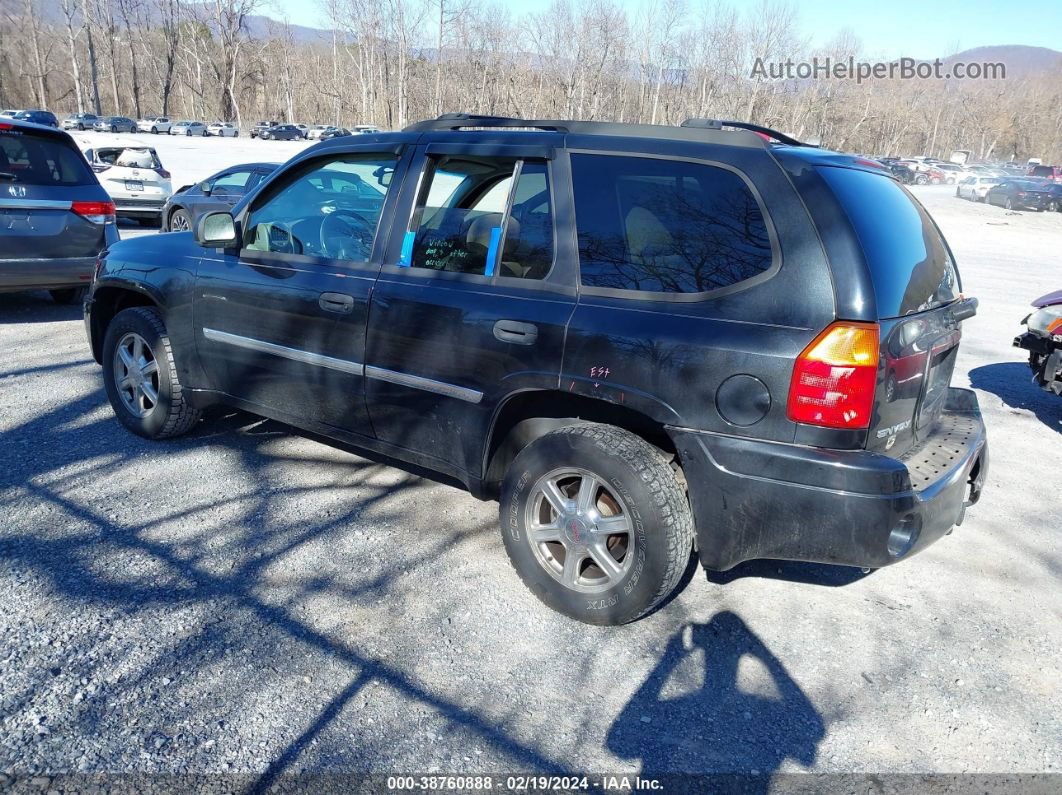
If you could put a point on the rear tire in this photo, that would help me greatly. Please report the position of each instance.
(1008, 204)
(114, 129)
(67, 296)
(626, 523)
(140, 376)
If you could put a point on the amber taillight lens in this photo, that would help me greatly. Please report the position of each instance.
(834, 378)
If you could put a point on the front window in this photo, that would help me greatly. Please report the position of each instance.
(328, 208)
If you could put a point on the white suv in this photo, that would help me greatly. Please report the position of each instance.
(134, 178)
(154, 124)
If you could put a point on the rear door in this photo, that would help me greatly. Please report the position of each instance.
(470, 306)
(44, 182)
(915, 284)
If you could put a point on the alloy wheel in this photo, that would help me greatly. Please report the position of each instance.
(179, 222)
(580, 530)
(136, 375)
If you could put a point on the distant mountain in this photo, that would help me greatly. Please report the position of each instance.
(1019, 58)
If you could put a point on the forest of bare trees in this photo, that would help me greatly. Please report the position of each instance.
(390, 62)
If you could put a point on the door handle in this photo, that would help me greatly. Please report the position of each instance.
(516, 332)
(336, 302)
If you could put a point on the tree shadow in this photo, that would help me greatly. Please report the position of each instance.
(702, 710)
(1012, 382)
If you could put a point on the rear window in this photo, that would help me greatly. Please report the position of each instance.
(1042, 171)
(910, 264)
(665, 226)
(28, 159)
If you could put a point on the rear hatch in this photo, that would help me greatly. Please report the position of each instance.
(51, 206)
(132, 175)
(916, 290)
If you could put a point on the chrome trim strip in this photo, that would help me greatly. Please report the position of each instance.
(306, 357)
(33, 204)
(427, 384)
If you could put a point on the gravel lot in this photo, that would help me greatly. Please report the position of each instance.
(251, 600)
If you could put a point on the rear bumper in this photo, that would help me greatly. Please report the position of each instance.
(753, 499)
(45, 274)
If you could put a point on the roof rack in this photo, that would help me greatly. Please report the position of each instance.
(718, 124)
(691, 130)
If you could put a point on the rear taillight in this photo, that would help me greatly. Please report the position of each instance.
(833, 379)
(96, 212)
(99, 168)
(162, 173)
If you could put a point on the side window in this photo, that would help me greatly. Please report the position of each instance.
(665, 225)
(235, 182)
(470, 218)
(327, 208)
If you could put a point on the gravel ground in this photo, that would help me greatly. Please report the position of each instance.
(251, 600)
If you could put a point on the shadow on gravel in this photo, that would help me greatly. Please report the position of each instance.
(220, 565)
(696, 711)
(35, 307)
(1012, 383)
(790, 571)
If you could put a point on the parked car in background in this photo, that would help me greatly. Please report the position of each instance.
(365, 129)
(154, 124)
(1018, 194)
(950, 172)
(1053, 202)
(8, 114)
(134, 178)
(315, 131)
(975, 188)
(80, 121)
(644, 373)
(262, 125)
(217, 192)
(114, 124)
(1053, 173)
(303, 128)
(54, 216)
(1043, 341)
(223, 129)
(188, 128)
(333, 132)
(45, 117)
(281, 132)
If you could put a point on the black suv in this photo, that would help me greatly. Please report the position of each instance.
(54, 216)
(643, 339)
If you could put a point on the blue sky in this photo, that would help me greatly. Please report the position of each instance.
(918, 28)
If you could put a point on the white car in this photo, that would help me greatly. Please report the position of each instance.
(304, 129)
(364, 129)
(314, 133)
(188, 128)
(134, 178)
(154, 124)
(7, 114)
(224, 129)
(975, 188)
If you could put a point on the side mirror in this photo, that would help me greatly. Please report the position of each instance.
(205, 188)
(216, 230)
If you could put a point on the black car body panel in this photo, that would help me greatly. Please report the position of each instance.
(1022, 194)
(43, 242)
(453, 368)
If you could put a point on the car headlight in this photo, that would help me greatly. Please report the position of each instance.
(1046, 321)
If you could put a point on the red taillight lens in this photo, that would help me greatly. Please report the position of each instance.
(833, 379)
(96, 212)
(99, 168)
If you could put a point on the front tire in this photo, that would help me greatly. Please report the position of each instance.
(179, 221)
(1008, 204)
(140, 376)
(595, 523)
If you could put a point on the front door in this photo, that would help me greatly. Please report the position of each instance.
(280, 324)
(470, 305)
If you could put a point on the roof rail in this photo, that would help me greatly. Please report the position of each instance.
(700, 131)
(718, 124)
